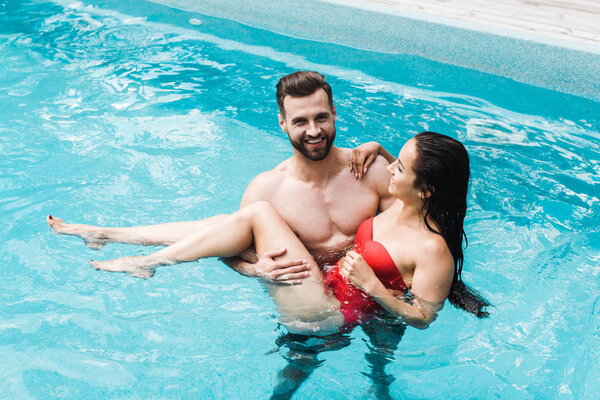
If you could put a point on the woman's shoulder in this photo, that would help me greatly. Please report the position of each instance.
(434, 241)
(433, 248)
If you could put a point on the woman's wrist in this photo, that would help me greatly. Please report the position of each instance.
(379, 147)
(375, 288)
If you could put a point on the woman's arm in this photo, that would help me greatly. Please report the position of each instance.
(363, 155)
(418, 313)
(430, 285)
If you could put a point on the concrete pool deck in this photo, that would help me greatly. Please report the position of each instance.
(575, 21)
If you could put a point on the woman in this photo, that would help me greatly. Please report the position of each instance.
(407, 260)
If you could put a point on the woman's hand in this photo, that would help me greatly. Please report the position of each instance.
(362, 156)
(358, 272)
(419, 313)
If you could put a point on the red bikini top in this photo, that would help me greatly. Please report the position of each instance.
(377, 256)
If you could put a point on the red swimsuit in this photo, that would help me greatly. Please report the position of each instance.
(357, 306)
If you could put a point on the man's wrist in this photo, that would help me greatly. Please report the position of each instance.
(247, 268)
(240, 266)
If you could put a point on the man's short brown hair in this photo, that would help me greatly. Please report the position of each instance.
(300, 84)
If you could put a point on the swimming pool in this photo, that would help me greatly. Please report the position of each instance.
(144, 114)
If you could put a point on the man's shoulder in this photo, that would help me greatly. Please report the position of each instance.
(272, 176)
(377, 171)
(376, 174)
(262, 187)
(379, 167)
(344, 153)
(379, 164)
(267, 182)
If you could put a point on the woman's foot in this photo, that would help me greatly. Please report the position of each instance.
(138, 266)
(91, 235)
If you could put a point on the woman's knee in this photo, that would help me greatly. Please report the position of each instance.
(261, 209)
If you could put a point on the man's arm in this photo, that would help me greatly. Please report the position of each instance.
(290, 272)
(267, 268)
(243, 264)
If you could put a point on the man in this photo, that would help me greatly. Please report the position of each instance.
(315, 191)
(323, 201)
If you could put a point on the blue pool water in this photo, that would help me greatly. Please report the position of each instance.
(136, 114)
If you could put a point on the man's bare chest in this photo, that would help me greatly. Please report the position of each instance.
(324, 217)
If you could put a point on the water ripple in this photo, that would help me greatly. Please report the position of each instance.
(111, 119)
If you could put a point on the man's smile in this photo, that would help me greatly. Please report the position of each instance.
(315, 142)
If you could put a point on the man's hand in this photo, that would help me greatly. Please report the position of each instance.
(290, 272)
(362, 156)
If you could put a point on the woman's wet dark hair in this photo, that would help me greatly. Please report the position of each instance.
(442, 174)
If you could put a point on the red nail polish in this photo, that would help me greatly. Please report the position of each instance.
(50, 216)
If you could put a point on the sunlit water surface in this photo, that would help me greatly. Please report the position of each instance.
(116, 119)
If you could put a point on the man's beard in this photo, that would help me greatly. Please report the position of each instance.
(313, 154)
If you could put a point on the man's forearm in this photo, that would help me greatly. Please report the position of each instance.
(288, 272)
(240, 266)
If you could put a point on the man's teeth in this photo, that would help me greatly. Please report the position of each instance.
(314, 141)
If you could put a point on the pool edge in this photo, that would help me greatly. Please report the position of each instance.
(570, 70)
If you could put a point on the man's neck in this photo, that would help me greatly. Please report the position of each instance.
(317, 171)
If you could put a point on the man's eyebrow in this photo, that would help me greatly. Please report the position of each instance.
(298, 119)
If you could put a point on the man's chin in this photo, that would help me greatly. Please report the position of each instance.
(316, 156)
(312, 154)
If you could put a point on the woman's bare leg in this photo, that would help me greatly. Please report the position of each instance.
(257, 224)
(95, 237)
(306, 307)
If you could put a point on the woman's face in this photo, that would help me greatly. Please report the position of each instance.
(402, 175)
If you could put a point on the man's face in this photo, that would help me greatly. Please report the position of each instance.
(310, 124)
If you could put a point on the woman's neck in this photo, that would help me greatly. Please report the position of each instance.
(407, 214)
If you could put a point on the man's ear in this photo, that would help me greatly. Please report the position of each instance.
(282, 123)
(334, 113)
